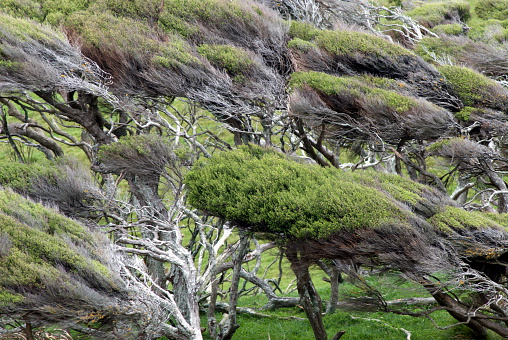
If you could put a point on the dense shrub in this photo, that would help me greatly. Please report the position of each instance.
(434, 13)
(474, 89)
(492, 9)
(53, 265)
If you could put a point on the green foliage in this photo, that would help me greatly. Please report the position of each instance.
(233, 59)
(491, 30)
(7, 298)
(181, 16)
(136, 9)
(331, 85)
(139, 145)
(342, 43)
(21, 177)
(39, 242)
(55, 11)
(36, 216)
(455, 218)
(440, 47)
(302, 45)
(397, 187)
(465, 113)
(303, 31)
(439, 144)
(264, 190)
(22, 9)
(449, 29)
(25, 29)
(123, 35)
(434, 13)
(473, 88)
(492, 9)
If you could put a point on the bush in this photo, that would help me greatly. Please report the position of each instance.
(303, 30)
(234, 60)
(55, 259)
(434, 13)
(492, 9)
(302, 45)
(449, 29)
(340, 43)
(264, 190)
(358, 89)
(474, 89)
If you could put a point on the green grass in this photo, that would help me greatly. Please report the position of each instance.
(358, 325)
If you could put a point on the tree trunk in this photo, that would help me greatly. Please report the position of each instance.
(235, 282)
(334, 293)
(309, 298)
(456, 310)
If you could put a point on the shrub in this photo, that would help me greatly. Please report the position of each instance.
(22, 9)
(234, 60)
(441, 47)
(264, 190)
(52, 267)
(434, 13)
(331, 85)
(303, 31)
(450, 218)
(340, 43)
(449, 29)
(302, 45)
(474, 89)
(465, 113)
(492, 9)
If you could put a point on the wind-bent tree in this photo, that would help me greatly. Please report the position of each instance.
(360, 218)
(145, 88)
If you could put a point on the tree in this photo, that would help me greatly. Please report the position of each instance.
(359, 219)
(184, 76)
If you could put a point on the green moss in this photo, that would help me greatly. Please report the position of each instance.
(331, 85)
(233, 59)
(453, 218)
(492, 9)
(302, 45)
(449, 29)
(303, 31)
(434, 13)
(341, 43)
(473, 88)
(264, 190)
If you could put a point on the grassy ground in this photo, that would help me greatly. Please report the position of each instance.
(358, 325)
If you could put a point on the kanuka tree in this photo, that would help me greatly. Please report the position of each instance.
(360, 218)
